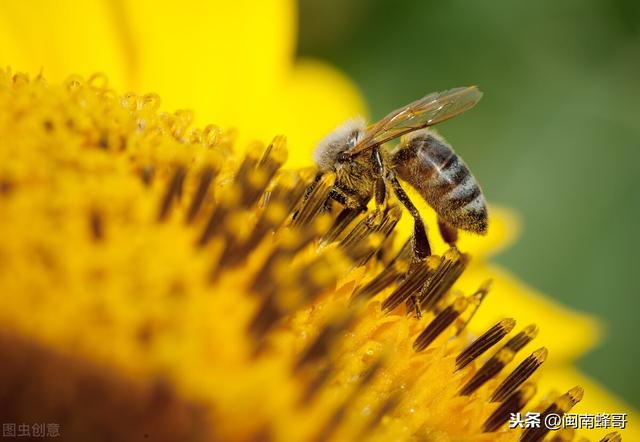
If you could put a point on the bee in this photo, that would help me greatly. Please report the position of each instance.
(364, 168)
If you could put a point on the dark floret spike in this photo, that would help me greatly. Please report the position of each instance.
(521, 373)
(344, 219)
(323, 343)
(206, 178)
(314, 203)
(173, 192)
(484, 342)
(488, 371)
(612, 437)
(512, 404)
(451, 267)
(559, 407)
(419, 272)
(476, 301)
(440, 323)
(387, 277)
(523, 338)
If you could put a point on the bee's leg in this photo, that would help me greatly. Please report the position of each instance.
(421, 247)
(346, 200)
(449, 234)
(381, 184)
(413, 304)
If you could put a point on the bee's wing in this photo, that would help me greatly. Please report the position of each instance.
(427, 111)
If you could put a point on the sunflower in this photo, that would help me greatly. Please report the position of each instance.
(159, 282)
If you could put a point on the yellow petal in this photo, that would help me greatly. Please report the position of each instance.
(504, 229)
(566, 333)
(317, 98)
(241, 69)
(596, 400)
(60, 38)
(226, 60)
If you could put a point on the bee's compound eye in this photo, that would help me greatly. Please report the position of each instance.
(342, 157)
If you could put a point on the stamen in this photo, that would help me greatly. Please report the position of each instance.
(344, 219)
(520, 374)
(249, 163)
(316, 384)
(217, 216)
(563, 435)
(612, 437)
(289, 189)
(146, 174)
(559, 407)
(484, 342)
(256, 180)
(523, 338)
(451, 267)
(512, 404)
(418, 274)
(291, 241)
(325, 340)
(267, 315)
(296, 285)
(362, 242)
(275, 155)
(251, 181)
(96, 225)
(174, 190)
(390, 274)
(490, 369)
(440, 323)
(206, 177)
(314, 203)
(476, 301)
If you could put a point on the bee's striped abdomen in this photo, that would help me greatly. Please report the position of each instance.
(432, 167)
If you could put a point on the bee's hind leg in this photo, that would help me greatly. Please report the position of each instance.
(421, 247)
(448, 233)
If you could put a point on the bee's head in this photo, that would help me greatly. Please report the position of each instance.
(329, 150)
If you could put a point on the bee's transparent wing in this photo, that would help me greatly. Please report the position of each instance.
(427, 111)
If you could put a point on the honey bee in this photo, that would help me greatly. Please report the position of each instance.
(364, 168)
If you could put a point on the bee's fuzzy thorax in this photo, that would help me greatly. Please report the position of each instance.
(344, 137)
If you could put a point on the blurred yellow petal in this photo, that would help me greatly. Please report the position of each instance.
(243, 71)
(62, 37)
(222, 59)
(596, 400)
(504, 229)
(566, 333)
(317, 99)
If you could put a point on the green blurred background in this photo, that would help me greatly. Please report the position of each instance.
(556, 136)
